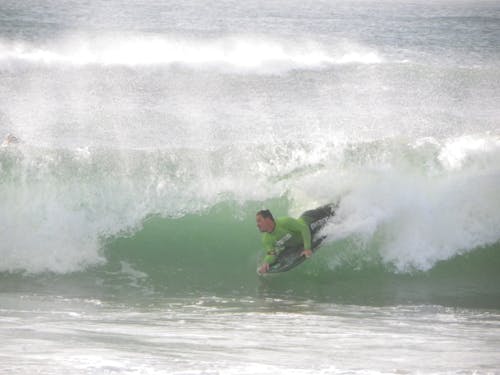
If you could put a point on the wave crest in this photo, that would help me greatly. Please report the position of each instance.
(245, 53)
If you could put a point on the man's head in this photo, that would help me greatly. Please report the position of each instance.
(265, 221)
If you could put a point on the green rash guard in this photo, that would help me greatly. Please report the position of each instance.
(288, 231)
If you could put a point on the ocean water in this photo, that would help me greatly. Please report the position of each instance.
(151, 132)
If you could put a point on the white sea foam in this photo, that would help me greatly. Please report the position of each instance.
(245, 53)
(58, 207)
(415, 217)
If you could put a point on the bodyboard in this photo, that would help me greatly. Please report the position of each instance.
(290, 258)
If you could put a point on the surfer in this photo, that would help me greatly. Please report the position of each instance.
(9, 140)
(286, 231)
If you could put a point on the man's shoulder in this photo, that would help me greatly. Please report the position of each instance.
(285, 219)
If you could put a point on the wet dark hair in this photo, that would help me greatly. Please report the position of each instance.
(266, 214)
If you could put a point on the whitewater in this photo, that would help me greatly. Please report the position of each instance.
(148, 135)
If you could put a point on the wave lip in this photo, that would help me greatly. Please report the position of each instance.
(237, 53)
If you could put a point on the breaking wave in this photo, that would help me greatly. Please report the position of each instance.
(232, 53)
(408, 204)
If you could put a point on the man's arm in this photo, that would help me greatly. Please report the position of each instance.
(298, 225)
(270, 257)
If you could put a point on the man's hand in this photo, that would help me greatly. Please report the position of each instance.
(307, 253)
(264, 268)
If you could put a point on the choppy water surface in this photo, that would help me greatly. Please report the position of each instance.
(250, 336)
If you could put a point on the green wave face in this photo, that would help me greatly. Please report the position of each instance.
(217, 253)
(417, 221)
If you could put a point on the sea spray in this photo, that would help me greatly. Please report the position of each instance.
(402, 200)
(245, 53)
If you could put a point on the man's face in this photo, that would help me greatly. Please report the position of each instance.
(264, 224)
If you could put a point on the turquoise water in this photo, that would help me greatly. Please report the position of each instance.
(150, 134)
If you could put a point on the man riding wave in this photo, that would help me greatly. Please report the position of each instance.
(285, 232)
